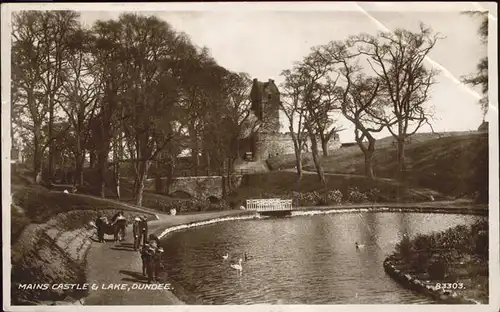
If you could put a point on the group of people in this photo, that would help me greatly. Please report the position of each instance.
(151, 255)
(151, 251)
(115, 226)
(149, 246)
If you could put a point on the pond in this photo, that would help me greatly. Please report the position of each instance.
(298, 260)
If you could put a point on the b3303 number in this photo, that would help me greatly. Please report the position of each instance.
(450, 286)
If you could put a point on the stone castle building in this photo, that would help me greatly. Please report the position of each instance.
(266, 140)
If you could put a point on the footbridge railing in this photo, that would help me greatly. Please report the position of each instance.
(270, 204)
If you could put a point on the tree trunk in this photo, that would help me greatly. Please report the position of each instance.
(401, 158)
(79, 162)
(79, 170)
(369, 164)
(170, 175)
(298, 157)
(116, 169)
(143, 170)
(324, 146)
(117, 179)
(62, 171)
(316, 159)
(37, 158)
(158, 181)
(51, 143)
(103, 165)
(92, 160)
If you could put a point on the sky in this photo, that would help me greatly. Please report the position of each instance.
(263, 42)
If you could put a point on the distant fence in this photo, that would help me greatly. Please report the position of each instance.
(271, 204)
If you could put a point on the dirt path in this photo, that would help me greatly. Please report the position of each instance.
(118, 263)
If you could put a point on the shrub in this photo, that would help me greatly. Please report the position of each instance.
(437, 268)
(404, 247)
(424, 243)
(373, 195)
(333, 197)
(357, 196)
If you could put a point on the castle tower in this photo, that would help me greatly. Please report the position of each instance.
(265, 98)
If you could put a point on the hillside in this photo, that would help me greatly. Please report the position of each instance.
(454, 163)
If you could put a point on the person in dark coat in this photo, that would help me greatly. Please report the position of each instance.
(147, 257)
(100, 223)
(137, 233)
(157, 265)
(143, 230)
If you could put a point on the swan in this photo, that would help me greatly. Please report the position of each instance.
(66, 192)
(359, 246)
(226, 256)
(237, 266)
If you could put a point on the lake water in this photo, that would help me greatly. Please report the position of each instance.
(298, 260)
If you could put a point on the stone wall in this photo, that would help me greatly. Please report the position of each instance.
(275, 144)
(200, 187)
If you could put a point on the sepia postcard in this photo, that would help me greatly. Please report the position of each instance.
(250, 155)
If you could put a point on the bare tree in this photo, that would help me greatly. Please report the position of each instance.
(359, 105)
(397, 59)
(314, 71)
(292, 105)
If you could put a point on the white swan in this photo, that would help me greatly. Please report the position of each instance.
(226, 256)
(237, 266)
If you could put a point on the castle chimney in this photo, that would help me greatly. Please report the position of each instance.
(271, 81)
(255, 80)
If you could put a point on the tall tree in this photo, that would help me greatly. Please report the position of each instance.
(151, 91)
(108, 56)
(318, 85)
(81, 89)
(38, 56)
(397, 59)
(292, 105)
(57, 26)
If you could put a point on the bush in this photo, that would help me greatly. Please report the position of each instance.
(437, 268)
(404, 247)
(424, 243)
(333, 197)
(356, 196)
(374, 195)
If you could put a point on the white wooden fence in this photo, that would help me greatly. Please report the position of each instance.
(271, 204)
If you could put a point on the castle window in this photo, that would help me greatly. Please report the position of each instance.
(269, 96)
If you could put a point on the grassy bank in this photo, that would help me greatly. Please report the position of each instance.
(456, 260)
(452, 163)
(340, 189)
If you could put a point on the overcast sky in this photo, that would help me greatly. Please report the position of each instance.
(264, 42)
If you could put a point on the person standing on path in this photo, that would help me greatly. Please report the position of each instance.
(143, 230)
(137, 233)
(100, 223)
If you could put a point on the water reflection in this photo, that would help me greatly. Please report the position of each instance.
(306, 260)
